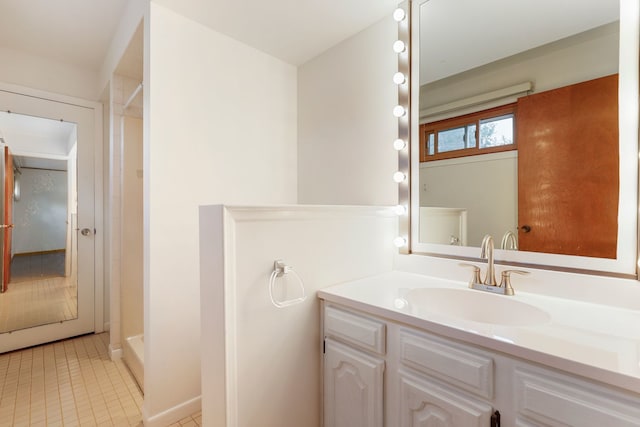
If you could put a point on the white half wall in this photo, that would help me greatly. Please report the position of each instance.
(345, 125)
(261, 365)
(219, 127)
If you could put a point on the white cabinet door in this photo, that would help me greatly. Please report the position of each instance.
(353, 387)
(427, 403)
(547, 398)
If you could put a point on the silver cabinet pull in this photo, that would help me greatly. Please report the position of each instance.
(85, 231)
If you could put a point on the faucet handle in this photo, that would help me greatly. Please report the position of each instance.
(475, 279)
(505, 281)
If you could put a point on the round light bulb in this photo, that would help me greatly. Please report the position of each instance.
(398, 46)
(400, 303)
(399, 111)
(399, 78)
(399, 144)
(399, 14)
(399, 177)
(399, 241)
(400, 209)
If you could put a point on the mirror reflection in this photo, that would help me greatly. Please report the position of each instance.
(39, 208)
(519, 135)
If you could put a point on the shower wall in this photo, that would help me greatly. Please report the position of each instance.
(131, 302)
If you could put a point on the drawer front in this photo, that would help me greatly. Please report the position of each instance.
(563, 401)
(355, 329)
(456, 364)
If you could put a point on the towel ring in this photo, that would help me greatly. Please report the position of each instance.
(279, 270)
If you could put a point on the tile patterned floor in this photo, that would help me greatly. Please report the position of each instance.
(38, 302)
(70, 383)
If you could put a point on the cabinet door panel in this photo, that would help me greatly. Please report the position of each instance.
(560, 401)
(353, 387)
(427, 403)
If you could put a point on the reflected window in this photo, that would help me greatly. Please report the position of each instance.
(457, 138)
(496, 132)
(483, 132)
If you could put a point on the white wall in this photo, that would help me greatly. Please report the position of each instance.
(131, 18)
(112, 89)
(40, 216)
(487, 186)
(261, 364)
(345, 125)
(215, 131)
(19, 68)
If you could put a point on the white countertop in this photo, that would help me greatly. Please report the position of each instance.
(595, 341)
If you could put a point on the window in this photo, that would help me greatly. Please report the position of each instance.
(487, 131)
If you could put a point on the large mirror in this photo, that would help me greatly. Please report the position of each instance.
(39, 208)
(525, 127)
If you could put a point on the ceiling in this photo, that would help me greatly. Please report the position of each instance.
(292, 30)
(490, 30)
(78, 32)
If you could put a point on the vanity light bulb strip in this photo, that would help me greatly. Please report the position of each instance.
(399, 177)
(399, 78)
(399, 46)
(399, 14)
(399, 144)
(399, 111)
(400, 210)
(403, 112)
(399, 241)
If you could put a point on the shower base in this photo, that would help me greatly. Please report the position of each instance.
(134, 357)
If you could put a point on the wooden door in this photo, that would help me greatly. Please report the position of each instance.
(7, 218)
(568, 176)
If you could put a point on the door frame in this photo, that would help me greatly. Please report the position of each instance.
(98, 207)
(6, 205)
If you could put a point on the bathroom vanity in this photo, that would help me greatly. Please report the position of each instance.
(397, 353)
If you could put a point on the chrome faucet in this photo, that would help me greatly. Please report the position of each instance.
(486, 252)
(509, 241)
(489, 283)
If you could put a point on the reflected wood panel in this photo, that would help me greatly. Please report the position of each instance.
(568, 174)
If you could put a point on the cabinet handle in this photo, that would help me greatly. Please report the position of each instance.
(495, 419)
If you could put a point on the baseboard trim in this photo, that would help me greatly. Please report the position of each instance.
(115, 353)
(172, 415)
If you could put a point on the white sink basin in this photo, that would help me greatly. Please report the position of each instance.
(476, 306)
